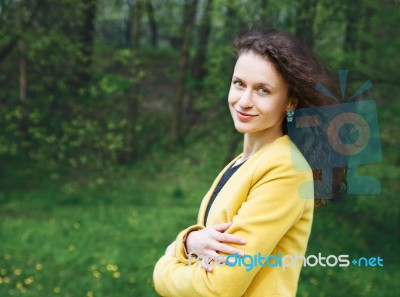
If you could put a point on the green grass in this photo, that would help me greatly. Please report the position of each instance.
(92, 234)
(100, 233)
(102, 250)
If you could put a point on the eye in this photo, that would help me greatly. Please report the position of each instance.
(263, 90)
(238, 84)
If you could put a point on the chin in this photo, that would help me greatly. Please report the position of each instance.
(242, 129)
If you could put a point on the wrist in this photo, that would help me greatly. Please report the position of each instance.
(186, 248)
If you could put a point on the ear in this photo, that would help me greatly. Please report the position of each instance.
(292, 104)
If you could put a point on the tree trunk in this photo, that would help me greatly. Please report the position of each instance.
(86, 43)
(352, 16)
(305, 21)
(188, 23)
(14, 41)
(204, 33)
(129, 151)
(23, 87)
(7, 49)
(366, 42)
(152, 24)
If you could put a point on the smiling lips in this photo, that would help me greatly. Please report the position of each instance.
(244, 117)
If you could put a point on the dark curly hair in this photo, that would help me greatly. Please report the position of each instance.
(302, 71)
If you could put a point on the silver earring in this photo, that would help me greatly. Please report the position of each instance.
(289, 115)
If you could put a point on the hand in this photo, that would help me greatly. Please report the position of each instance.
(209, 241)
(170, 250)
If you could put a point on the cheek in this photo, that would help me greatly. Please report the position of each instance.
(276, 104)
(232, 96)
(265, 105)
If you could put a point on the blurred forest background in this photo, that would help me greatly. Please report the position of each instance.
(114, 122)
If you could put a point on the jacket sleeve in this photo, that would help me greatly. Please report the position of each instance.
(272, 207)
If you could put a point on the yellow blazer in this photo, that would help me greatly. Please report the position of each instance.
(262, 199)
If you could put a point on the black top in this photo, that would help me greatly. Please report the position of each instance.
(225, 177)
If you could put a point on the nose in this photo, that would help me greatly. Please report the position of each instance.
(245, 100)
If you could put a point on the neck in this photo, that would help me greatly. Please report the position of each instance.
(253, 142)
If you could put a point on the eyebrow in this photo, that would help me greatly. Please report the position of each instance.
(258, 84)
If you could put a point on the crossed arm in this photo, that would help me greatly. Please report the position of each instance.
(207, 242)
(271, 209)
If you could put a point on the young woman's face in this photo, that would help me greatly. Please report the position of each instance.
(258, 96)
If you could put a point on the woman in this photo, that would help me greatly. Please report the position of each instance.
(257, 211)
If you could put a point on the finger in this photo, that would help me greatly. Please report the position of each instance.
(227, 249)
(222, 237)
(212, 258)
(222, 227)
(211, 255)
(207, 268)
(207, 262)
